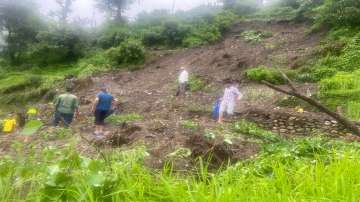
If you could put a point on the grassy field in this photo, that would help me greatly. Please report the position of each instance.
(307, 169)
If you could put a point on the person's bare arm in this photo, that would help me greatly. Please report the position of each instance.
(114, 103)
(94, 105)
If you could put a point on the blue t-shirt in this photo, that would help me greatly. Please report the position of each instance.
(105, 101)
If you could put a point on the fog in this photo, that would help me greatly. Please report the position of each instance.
(86, 9)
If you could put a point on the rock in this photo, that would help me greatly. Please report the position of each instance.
(274, 128)
(334, 122)
(283, 130)
(327, 123)
(290, 127)
(292, 118)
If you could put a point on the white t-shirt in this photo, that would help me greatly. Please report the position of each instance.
(231, 94)
(184, 77)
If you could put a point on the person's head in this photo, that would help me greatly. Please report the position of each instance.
(68, 89)
(103, 88)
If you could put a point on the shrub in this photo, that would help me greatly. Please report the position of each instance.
(266, 74)
(174, 33)
(196, 84)
(113, 36)
(335, 12)
(129, 52)
(224, 20)
(201, 35)
(153, 38)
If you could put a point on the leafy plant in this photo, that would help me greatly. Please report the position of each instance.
(189, 124)
(31, 127)
(125, 118)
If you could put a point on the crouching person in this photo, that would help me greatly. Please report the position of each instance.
(66, 108)
(102, 108)
(229, 100)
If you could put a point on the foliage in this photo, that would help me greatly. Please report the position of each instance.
(56, 46)
(314, 165)
(335, 13)
(248, 128)
(196, 84)
(129, 52)
(125, 118)
(22, 25)
(113, 35)
(264, 73)
(114, 8)
(31, 127)
(189, 124)
(245, 7)
(255, 36)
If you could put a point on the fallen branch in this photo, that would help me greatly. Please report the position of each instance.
(338, 117)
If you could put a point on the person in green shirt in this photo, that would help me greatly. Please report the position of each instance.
(66, 107)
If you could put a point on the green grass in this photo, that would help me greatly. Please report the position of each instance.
(310, 169)
(123, 118)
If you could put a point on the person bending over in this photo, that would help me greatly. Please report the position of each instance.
(228, 102)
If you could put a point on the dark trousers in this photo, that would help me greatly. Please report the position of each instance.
(66, 118)
(181, 89)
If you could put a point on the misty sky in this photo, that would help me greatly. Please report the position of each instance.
(86, 8)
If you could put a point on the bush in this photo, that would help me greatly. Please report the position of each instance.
(264, 73)
(196, 84)
(129, 52)
(201, 35)
(174, 33)
(153, 38)
(224, 20)
(335, 13)
(56, 46)
(113, 36)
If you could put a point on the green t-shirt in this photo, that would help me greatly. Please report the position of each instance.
(66, 103)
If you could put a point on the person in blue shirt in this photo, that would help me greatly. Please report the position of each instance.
(102, 107)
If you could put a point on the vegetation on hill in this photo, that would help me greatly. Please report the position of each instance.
(38, 54)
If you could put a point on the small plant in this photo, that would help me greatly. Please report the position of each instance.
(189, 124)
(264, 73)
(129, 52)
(252, 129)
(196, 84)
(57, 133)
(116, 119)
(255, 36)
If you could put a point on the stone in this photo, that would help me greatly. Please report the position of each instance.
(327, 123)
(334, 131)
(283, 130)
(274, 128)
(290, 127)
(334, 122)
(292, 118)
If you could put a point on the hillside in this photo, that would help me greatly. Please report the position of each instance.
(149, 92)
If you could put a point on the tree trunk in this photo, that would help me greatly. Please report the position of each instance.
(338, 117)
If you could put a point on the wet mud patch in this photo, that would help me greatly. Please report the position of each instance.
(218, 151)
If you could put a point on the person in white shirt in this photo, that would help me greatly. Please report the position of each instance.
(183, 81)
(228, 103)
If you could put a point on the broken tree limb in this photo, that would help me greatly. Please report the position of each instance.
(338, 117)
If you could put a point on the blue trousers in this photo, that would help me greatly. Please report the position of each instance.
(66, 118)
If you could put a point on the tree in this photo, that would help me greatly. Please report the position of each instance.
(20, 26)
(115, 8)
(64, 11)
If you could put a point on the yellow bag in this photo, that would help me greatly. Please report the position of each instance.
(32, 111)
(9, 125)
